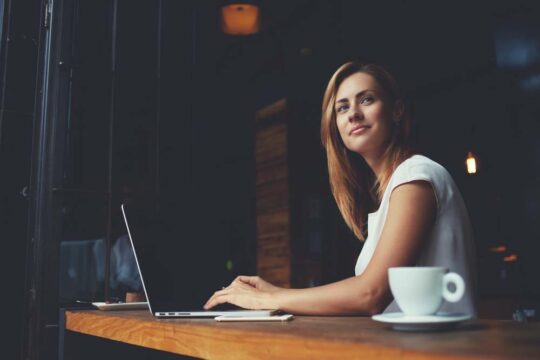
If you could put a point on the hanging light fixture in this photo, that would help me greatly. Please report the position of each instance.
(471, 163)
(242, 18)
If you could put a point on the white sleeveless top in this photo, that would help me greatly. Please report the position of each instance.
(451, 243)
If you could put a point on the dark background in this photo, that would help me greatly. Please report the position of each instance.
(152, 96)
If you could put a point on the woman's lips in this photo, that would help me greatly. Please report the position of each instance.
(359, 129)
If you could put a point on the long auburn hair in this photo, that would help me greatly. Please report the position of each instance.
(356, 189)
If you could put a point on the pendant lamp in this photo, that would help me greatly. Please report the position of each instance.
(241, 18)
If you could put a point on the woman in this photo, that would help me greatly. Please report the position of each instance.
(420, 217)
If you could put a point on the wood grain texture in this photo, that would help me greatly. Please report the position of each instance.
(277, 109)
(272, 194)
(309, 337)
(271, 171)
(271, 143)
(273, 223)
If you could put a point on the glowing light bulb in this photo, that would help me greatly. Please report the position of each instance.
(471, 163)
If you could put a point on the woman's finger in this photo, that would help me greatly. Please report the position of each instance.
(223, 291)
(249, 280)
(230, 294)
(214, 301)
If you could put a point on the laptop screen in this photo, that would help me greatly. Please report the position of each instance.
(180, 265)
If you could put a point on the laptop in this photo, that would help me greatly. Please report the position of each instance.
(177, 275)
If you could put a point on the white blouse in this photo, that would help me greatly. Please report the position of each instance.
(451, 243)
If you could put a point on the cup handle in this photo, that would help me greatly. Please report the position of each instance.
(458, 282)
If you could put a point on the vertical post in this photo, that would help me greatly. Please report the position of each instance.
(158, 96)
(108, 242)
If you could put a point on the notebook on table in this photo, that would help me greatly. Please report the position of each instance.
(178, 272)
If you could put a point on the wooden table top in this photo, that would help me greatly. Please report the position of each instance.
(308, 336)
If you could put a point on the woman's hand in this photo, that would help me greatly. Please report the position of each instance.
(257, 283)
(249, 292)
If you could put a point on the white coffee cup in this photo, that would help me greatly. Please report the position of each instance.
(421, 290)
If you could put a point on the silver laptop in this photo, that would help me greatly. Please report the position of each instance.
(178, 272)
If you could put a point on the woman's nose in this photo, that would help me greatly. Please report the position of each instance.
(355, 114)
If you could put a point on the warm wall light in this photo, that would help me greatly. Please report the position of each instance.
(240, 19)
(498, 249)
(471, 163)
(510, 258)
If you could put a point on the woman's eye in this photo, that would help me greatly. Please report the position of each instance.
(342, 108)
(367, 100)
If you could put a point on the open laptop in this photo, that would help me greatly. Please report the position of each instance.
(178, 274)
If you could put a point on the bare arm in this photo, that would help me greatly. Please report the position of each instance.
(410, 219)
(411, 215)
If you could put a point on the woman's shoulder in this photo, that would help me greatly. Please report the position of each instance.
(420, 166)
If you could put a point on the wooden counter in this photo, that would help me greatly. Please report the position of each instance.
(308, 337)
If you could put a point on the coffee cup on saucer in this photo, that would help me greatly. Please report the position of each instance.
(421, 290)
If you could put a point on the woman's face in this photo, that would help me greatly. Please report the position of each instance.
(363, 115)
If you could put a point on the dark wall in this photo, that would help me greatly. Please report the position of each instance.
(19, 63)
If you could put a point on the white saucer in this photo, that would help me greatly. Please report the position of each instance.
(404, 322)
